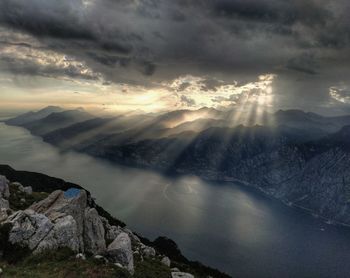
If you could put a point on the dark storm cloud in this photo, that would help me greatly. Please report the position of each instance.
(144, 42)
(273, 11)
(305, 63)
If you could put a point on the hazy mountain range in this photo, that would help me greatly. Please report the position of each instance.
(300, 158)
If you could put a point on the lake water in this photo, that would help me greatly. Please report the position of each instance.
(228, 226)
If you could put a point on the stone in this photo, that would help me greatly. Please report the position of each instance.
(1, 271)
(28, 228)
(111, 232)
(25, 189)
(28, 190)
(60, 204)
(4, 204)
(133, 237)
(39, 233)
(4, 187)
(94, 232)
(181, 275)
(147, 251)
(118, 265)
(166, 261)
(100, 258)
(80, 256)
(64, 234)
(119, 251)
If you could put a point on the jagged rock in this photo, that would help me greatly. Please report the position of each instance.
(147, 251)
(59, 204)
(111, 232)
(119, 251)
(166, 261)
(94, 232)
(28, 228)
(37, 232)
(65, 233)
(80, 256)
(181, 275)
(134, 238)
(4, 187)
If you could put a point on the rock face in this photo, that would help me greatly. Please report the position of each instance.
(111, 232)
(63, 219)
(64, 234)
(29, 228)
(119, 251)
(94, 232)
(4, 188)
(60, 204)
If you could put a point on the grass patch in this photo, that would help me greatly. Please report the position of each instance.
(61, 264)
(151, 269)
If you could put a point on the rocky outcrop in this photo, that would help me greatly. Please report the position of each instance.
(61, 204)
(65, 233)
(64, 219)
(29, 228)
(111, 232)
(94, 232)
(120, 251)
(68, 219)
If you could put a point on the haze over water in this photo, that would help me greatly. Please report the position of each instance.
(228, 226)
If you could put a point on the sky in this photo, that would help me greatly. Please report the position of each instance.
(159, 55)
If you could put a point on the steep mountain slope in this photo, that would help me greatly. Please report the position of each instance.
(301, 158)
(287, 163)
(57, 120)
(33, 116)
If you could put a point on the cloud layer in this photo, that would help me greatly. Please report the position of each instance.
(150, 43)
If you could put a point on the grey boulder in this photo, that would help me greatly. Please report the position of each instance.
(60, 204)
(119, 251)
(166, 261)
(94, 232)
